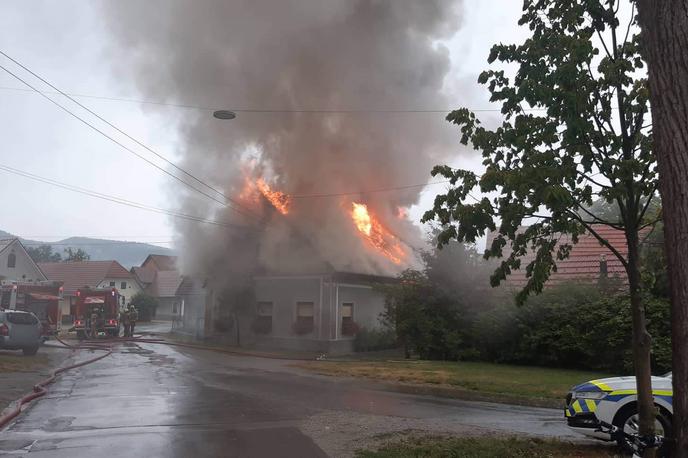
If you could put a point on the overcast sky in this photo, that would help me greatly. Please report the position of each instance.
(67, 43)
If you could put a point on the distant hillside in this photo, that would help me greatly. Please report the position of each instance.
(126, 253)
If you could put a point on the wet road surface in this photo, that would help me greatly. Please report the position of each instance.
(149, 400)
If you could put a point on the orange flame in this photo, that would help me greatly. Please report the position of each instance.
(278, 199)
(376, 234)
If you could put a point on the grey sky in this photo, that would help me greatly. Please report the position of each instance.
(67, 43)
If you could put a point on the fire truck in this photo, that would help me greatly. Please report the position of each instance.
(40, 298)
(95, 313)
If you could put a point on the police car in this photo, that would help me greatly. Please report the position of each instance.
(614, 401)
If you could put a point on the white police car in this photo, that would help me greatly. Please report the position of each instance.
(614, 401)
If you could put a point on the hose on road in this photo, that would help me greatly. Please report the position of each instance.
(105, 345)
(39, 389)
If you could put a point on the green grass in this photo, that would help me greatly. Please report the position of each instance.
(523, 382)
(486, 447)
(15, 361)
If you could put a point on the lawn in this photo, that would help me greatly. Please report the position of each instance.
(14, 361)
(486, 447)
(516, 383)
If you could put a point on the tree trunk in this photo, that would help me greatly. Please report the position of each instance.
(665, 46)
(642, 342)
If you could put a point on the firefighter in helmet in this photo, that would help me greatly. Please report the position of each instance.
(133, 316)
(94, 318)
(124, 319)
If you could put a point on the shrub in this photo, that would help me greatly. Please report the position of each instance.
(572, 326)
(145, 305)
(375, 339)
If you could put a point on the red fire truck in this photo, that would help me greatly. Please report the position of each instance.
(95, 313)
(40, 298)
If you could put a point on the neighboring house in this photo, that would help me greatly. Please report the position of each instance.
(160, 262)
(91, 274)
(319, 312)
(587, 261)
(160, 278)
(16, 264)
(194, 303)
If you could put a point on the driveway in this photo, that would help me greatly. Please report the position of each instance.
(155, 400)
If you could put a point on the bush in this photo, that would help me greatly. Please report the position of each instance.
(375, 339)
(572, 326)
(145, 305)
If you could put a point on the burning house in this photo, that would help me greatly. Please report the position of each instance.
(335, 119)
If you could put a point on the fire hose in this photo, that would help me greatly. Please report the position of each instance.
(40, 390)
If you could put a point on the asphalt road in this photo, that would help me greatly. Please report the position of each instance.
(150, 400)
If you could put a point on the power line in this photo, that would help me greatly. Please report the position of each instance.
(262, 110)
(225, 203)
(117, 200)
(229, 199)
(370, 191)
(96, 236)
(109, 242)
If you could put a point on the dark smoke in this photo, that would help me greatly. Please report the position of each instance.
(295, 55)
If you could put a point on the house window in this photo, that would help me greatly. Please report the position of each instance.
(123, 285)
(349, 327)
(11, 261)
(263, 322)
(304, 317)
(112, 284)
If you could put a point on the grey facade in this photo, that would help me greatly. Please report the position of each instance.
(333, 296)
(193, 304)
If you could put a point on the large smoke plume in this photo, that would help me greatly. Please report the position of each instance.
(366, 56)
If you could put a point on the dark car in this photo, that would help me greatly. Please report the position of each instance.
(20, 330)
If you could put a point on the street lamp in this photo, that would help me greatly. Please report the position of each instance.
(224, 114)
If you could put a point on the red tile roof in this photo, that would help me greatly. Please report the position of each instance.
(145, 275)
(583, 263)
(75, 275)
(160, 262)
(166, 283)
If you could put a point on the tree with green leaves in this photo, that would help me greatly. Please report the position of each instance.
(43, 253)
(576, 128)
(72, 255)
(425, 318)
(145, 305)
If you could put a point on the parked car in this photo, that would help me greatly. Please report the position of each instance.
(614, 401)
(20, 330)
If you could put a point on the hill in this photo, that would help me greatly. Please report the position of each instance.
(126, 253)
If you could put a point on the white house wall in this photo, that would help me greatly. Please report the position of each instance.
(284, 293)
(327, 297)
(368, 305)
(130, 291)
(24, 270)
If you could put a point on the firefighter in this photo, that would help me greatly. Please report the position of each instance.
(133, 316)
(124, 319)
(94, 323)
